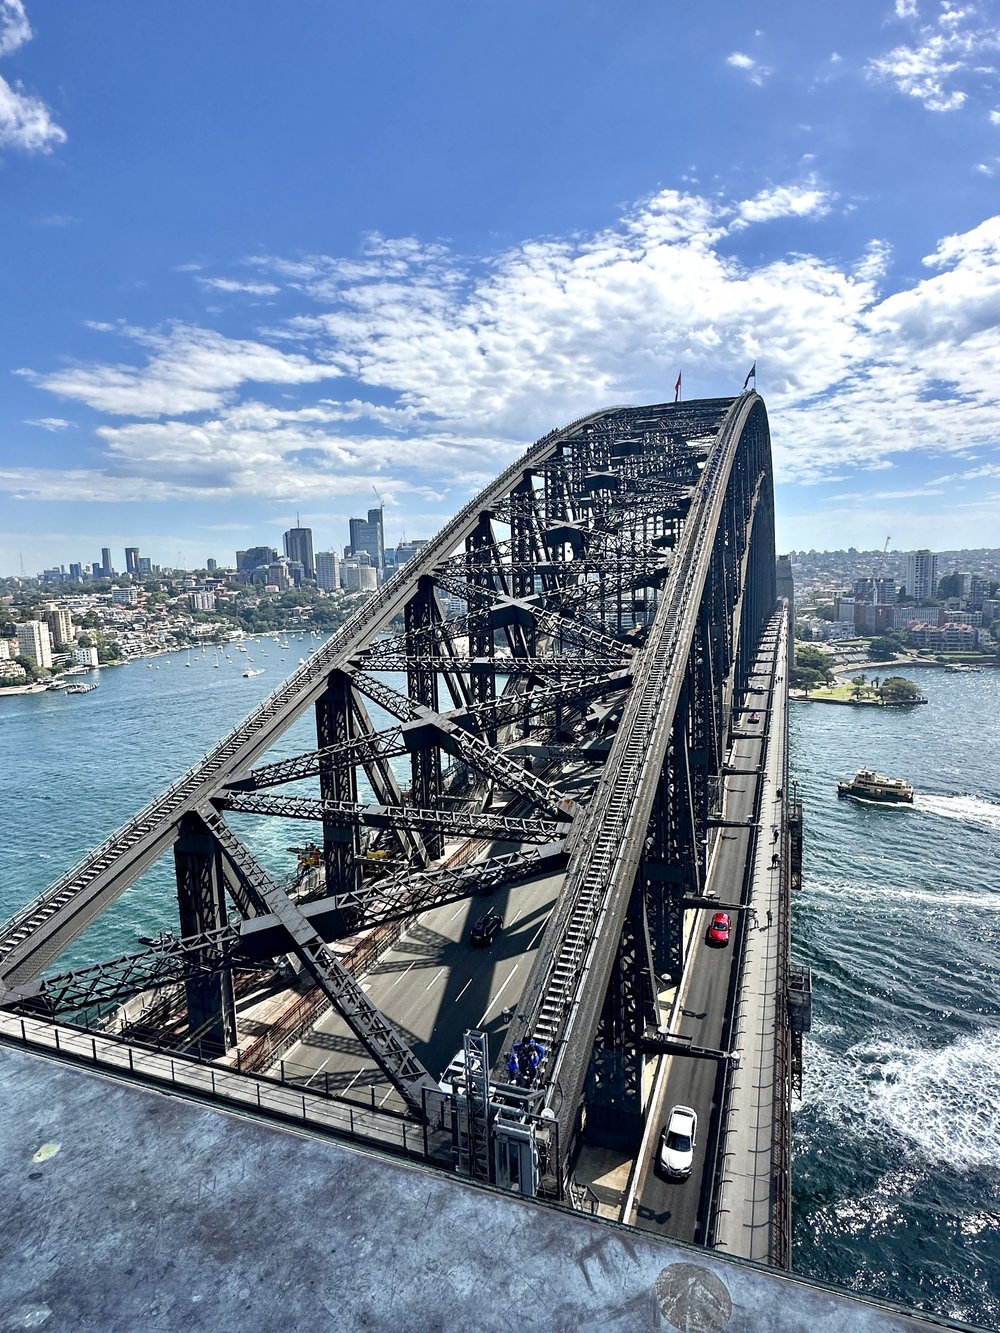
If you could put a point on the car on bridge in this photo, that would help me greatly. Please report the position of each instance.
(754, 717)
(719, 929)
(677, 1142)
(487, 928)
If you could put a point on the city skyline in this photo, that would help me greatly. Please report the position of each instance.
(220, 314)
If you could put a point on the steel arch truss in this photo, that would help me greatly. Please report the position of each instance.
(571, 644)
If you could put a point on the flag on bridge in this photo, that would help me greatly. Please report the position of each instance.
(752, 375)
(677, 388)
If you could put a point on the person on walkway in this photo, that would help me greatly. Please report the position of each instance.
(770, 918)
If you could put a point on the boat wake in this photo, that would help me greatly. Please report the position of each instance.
(968, 809)
(945, 1102)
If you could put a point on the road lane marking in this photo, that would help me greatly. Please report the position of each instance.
(319, 1070)
(536, 935)
(458, 913)
(403, 974)
(353, 1081)
(498, 994)
(433, 979)
(463, 990)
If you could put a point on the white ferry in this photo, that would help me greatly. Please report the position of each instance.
(868, 785)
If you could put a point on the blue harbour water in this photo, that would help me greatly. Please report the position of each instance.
(897, 1137)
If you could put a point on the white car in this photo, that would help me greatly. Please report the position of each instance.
(677, 1143)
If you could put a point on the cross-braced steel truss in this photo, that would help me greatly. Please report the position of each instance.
(595, 608)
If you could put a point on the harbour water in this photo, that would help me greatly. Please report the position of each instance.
(897, 1169)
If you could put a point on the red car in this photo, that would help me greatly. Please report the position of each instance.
(755, 717)
(718, 931)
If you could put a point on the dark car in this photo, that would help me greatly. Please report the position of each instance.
(755, 717)
(718, 931)
(487, 928)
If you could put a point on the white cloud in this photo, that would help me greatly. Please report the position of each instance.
(188, 370)
(754, 71)
(943, 67)
(231, 285)
(906, 9)
(995, 117)
(50, 423)
(25, 122)
(15, 29)
(456, 364)
(785, 201)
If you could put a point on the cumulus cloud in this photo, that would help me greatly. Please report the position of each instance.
(785, 201)
(25, 121)
(451, 365)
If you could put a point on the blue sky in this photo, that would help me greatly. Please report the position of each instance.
(260, 258)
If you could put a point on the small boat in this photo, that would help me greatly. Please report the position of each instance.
(251, 670)
(868, 785)
(80, 689)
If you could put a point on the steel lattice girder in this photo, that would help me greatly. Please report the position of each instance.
(373, 748)
(42, 930)
(581, 505)
(548, 668)
(398, 896)
(583, 934)
(451, 821)
(165, 964)
(343, 990)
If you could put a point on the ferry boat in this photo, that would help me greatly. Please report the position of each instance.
(81, 689)
(868, 785)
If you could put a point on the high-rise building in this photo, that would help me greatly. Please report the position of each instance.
(875, 591)
(106, 568)
(211, 565)
(358, 575)
(328, 570)
(366, 535)
(76, 572)
(144, 565)
(278, 576)
(299, 546)
(33, 642)
(921, 575)
(132, 560)
(60, 624)
(251, 559)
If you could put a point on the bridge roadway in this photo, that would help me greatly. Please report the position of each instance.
(740, 872)
(434, 984)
